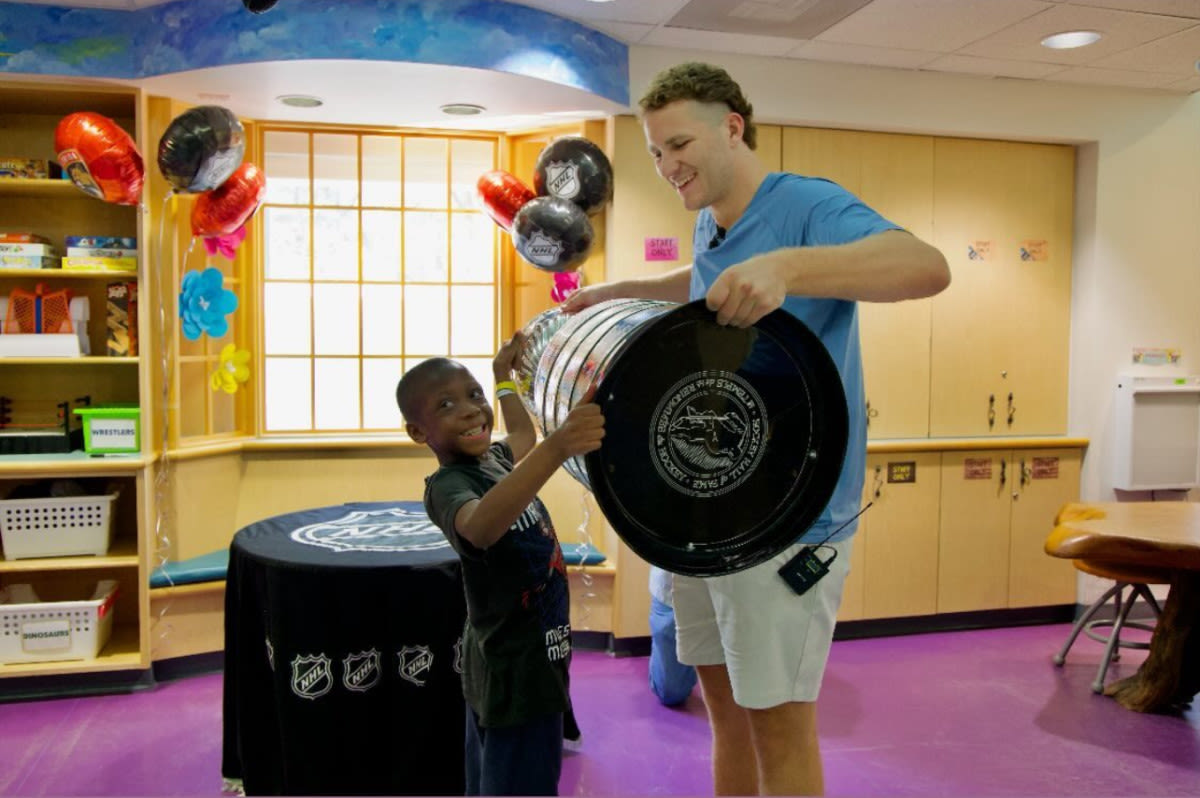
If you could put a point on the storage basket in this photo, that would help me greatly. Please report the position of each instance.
(32, 630)
(56, 527)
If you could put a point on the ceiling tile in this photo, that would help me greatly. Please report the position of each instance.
(649, 12)
(936, 25)
(858, 54)
(1169, 8)
(1121, 29)
(1175, 54)
(1113, 77)
(718, 42)
(795, 19)
(628, 32)
(995, 67)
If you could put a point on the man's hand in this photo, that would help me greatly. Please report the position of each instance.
(744, 293)
(580, 433)
(506, 357)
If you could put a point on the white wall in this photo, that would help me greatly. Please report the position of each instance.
(1136, 278)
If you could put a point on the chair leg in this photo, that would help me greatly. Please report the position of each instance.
(1148, 595)
(1114, 639)
(1061, 656)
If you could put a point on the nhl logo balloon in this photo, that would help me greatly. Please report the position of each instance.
(552, 234)
(575, 169)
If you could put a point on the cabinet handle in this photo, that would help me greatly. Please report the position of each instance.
(991, 410)
(1012, 409)
(1026, 474)
(878, 485)
(1003, 472)
(870, 413)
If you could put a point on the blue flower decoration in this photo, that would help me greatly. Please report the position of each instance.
(204, 303)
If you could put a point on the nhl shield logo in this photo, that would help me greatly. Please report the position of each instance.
(390, 529)
(562, 179)
(360, 672)
(312, 677)
(415, 664)
(543, 250)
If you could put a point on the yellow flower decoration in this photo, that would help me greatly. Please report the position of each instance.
(232, 370)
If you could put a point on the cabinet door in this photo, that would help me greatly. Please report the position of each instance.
(1046, 479)
(901, 554)
(1002, 216)
(851, 608)
(893, 174)
(973, 541)
(1038, 328)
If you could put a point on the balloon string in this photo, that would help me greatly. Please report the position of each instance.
(162, 476)
(588, 596)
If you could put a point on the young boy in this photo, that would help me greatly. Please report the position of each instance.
(516, 646)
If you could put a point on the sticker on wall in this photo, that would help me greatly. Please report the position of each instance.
(1035, 249)
(1044, 468)
(902, 473)
(1152, 356)
(977, 468)
(662, 249)
(979, 250)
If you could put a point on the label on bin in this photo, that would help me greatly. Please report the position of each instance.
(114, 433)
(46, 635)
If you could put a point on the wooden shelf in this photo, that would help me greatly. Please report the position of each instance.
(35, 466)
(54, 189)
(87, 360)
(121, 653)
(123, 554)
(68, 274)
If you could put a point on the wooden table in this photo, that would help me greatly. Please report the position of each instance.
(1161, 535)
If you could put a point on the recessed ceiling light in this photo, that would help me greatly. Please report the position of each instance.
(462, 109)
(300, 100)
(1071, 39)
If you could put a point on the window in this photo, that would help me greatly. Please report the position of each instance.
(376, 255)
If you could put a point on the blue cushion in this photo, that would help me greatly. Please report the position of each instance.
(209, 567)
(582, 554)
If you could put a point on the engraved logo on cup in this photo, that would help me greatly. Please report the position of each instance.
(388, 529)
(458, 655)
(542, 249)
(415, 664)
(312, 677)
(360, 672)
(708, 433)
(270, 654)
(563, 179)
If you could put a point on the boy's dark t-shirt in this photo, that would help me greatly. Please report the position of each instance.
(517, 643)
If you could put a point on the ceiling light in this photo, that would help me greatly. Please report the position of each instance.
(300, 100)
(462, 109)
(1071, 39)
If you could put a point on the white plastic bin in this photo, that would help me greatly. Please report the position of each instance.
(56, 527)
(32, 630)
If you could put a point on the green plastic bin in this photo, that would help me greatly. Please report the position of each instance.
(111, 429)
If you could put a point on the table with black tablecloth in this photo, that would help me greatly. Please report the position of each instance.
(342, 634)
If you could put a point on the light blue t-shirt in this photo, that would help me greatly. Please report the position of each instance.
(793, 211)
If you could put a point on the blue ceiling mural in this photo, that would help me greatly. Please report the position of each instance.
(195, 34)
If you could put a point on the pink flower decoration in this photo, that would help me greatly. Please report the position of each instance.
(565, 284)
(225, 245)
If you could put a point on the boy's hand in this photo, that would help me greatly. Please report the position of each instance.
(586, 297)
(580, 433)
(506, 358)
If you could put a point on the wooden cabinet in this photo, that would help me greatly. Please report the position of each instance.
(997, 506)
(1002, 216)
(55, 208)
(893, 174)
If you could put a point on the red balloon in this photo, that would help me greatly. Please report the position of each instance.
(227, 207)
(100, 157)
(503, 195)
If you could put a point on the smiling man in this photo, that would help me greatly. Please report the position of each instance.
(765, 240)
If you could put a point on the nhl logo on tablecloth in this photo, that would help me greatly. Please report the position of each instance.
(312, 677)
(415, 664)
(390, 529)
(361, 671)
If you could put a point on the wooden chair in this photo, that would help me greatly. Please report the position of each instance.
(1136, 579)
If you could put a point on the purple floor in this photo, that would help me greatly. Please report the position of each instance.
(980, 713)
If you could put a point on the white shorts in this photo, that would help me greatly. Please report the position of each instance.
(773, 642)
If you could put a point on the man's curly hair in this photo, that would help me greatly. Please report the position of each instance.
(703, 83)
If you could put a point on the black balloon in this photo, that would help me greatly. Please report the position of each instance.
(575, 169)
(552, 234)
(201, 148)
(259, 6)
